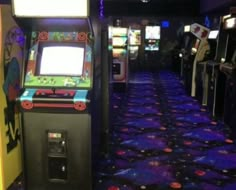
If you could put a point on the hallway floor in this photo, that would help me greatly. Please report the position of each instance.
(163, 139)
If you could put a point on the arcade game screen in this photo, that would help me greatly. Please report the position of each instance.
(60, 59)
(152, 32)
(135, 37)
(61, 64)
(152, 38)
(119, 41)
(213, 34)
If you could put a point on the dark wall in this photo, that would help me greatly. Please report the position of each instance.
(207, 6)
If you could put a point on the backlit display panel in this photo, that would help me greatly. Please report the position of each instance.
(50, 8)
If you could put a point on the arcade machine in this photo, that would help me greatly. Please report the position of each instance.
(216, 79)
(184, 47)
(199, 48)
(152, 43)
(11, 53)
(57, 94)
(229, 69)
(120, 69)
(134, 47)
(201, 75)
(193, 54)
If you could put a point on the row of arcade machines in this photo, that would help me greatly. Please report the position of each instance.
(125, 48)
(213, 70)
(57, 95)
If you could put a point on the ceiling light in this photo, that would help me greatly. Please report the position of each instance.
(145, 1)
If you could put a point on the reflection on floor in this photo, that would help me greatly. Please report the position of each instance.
(163, 139)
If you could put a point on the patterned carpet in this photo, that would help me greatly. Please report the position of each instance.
(163, 139)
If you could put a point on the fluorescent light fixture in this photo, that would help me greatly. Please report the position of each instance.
(187, 28)
(213, 34)
(50, 8)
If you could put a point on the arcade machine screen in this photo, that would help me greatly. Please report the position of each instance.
(187, 28)
(152, 32)
(61, 60)
(135, 37)
(119, 41)
(152, 38)
(134, 43)
(57, 64)
(213, 34)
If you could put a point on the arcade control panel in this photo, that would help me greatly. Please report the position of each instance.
(54, 99)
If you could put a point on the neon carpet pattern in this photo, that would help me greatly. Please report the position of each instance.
(163, 139)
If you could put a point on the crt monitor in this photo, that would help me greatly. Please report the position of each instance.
(60, 59)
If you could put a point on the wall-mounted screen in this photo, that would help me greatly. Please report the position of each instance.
(213, 34)
(135, 37)
(152, 32)
(60, 59)
(50, 8)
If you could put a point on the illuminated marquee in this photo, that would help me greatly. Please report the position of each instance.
(50, 8)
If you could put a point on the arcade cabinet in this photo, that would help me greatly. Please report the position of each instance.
(57, 94)
(201, 73)
(11, 53)
(216, 81)
(229, 69)
(199, 49)
(194, 53)
(152, 44)
(120, 69)
(134, 47)
(184, 47)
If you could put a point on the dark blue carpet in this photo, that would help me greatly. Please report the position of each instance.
(163, 139)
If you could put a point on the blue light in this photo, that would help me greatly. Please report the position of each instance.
(101, 9)
(165, 24)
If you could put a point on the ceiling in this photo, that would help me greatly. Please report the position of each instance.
(152, 8)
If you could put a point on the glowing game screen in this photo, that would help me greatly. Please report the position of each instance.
(213, 34)
(119, 41)
(135, 37)
(62, 61)
(152, 32)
